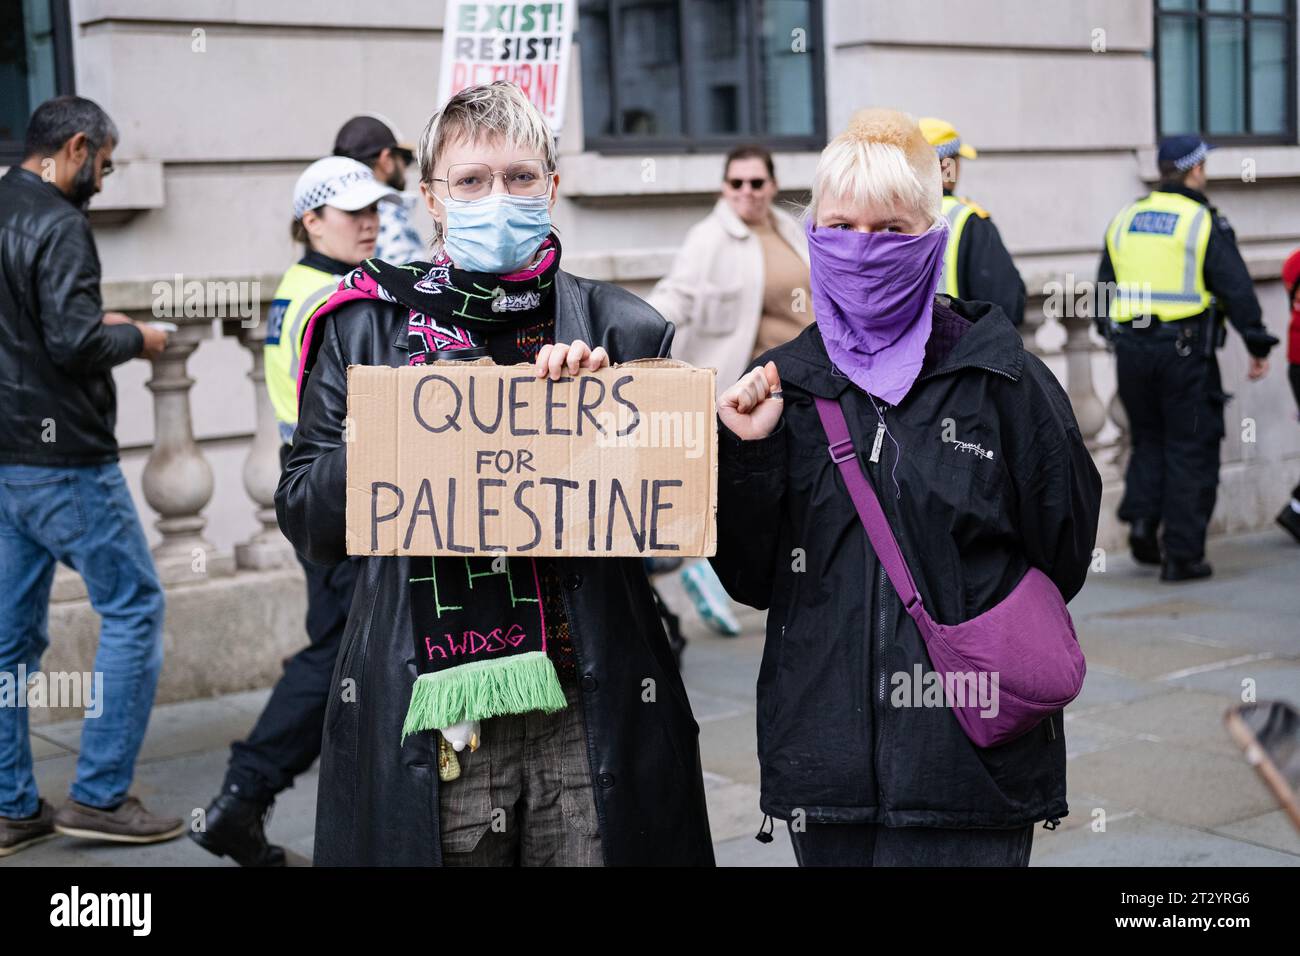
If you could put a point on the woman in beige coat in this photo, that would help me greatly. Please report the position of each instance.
(739, 284)
(738, 287)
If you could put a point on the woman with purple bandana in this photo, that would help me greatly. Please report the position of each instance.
(974, 452)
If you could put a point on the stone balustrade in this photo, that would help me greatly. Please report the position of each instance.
(178, 481)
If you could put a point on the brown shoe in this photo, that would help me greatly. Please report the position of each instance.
(18, 834)
(129, 823)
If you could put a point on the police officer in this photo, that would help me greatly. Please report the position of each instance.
(976, 264)
(336, 217)
(1170, 266)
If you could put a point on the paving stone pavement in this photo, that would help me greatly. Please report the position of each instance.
(1148, 754)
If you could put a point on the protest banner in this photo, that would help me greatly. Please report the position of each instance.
(526, 43)
(460, 458)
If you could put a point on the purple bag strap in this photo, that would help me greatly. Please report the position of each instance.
(868, 507)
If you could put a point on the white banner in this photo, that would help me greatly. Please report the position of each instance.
(521, 41)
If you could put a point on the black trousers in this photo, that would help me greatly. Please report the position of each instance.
(866, 844)
(287, 737)
(1174, 404)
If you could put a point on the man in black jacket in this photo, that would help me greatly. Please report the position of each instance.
(62, 494)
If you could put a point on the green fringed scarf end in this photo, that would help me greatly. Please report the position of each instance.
(474, 691)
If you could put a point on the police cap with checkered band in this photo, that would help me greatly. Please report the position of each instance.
(339, 182)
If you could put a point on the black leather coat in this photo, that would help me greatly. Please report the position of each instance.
(378, 801)
(56, 355)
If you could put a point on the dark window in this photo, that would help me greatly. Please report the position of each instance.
(687, 75)
(1226, 69)
(35, 64)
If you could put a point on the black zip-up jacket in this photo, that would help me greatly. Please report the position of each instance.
(56, 354)
(985, 270)
(989, 476)
(378, 800)
(1225, 273)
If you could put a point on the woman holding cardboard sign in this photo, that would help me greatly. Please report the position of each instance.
(572, 740)
(901, 480)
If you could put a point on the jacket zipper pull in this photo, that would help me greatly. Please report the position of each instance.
(764, 835)
(1052, 824)
(879, 440)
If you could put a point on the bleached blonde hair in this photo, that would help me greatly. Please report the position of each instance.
(881, 158)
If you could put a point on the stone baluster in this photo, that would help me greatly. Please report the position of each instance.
(267, 548)
(1079, 385)
(1119, 443)
(1064, 340)
(1111, 454)
(177, 479)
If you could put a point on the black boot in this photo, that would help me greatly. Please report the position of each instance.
(1290, 520)
(235, 828)
(1180, 570)
(1142, 541)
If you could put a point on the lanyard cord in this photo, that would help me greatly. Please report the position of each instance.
(898, 451)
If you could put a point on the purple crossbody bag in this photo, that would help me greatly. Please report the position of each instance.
(1024, 646)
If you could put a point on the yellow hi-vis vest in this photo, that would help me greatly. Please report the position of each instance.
(302, 290)
(958, 213)
(1157, 249)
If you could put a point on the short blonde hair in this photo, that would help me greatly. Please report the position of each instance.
(881, 158)
(497, 110)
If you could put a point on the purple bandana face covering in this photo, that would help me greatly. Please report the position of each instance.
(873, 295)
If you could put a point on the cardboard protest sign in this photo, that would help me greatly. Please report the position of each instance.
(459, 458)
(526, 43)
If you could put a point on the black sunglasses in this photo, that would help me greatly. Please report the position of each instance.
(754, 184)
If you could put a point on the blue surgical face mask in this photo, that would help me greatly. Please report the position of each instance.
(497, 234)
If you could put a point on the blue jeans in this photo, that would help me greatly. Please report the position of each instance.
(85, 518)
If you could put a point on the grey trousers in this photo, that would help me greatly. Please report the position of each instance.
(524, 798)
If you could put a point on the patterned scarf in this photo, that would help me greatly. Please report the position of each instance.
(478, 622)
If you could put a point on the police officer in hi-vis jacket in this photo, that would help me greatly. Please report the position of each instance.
(1173, 268)
(976, 264)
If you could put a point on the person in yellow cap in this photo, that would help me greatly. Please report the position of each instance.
(976, 265)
